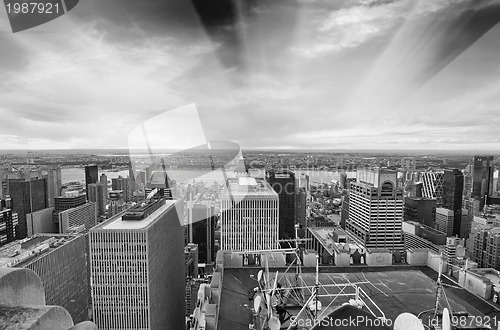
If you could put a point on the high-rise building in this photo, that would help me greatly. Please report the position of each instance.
(69, 200)
(445, 220)
(484, 246)
(376, 209)
(103, 180)
(283, 182)
(420, 209)
(91, 176)
(97, 193)
(137, 268)
(203, 234)
(140, 179)
(59, 261)
(482, 180)
(432, 186)
(28, 195)
(8, 222)
(125, 184)
(453, 185)
(250, 215)
(301, 206)
(116, 203)
(54, 184)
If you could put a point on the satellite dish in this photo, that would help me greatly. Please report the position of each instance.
(408, 321)
(256, 303)
(259, 275)
(446, 319)
(274, 323)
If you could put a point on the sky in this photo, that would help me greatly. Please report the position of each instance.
(314, 74)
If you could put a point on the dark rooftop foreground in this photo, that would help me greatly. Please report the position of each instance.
(395, 291)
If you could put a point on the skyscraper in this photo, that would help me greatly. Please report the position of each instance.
(204, 231)
(8, 222)
(482, 180)
(420, 209)
(432, 186)
(453, 187)
(91, 176)
(137, 268)
(69, 200)
(97, 193)
(283, 182)
(125, 184)
(27, 196)
(250, 215)
(54, 184)
(376, 209)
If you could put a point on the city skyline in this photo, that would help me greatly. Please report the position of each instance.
(274, 75)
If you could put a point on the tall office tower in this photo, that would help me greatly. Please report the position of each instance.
(465, 225)
(250, 215)
(8, 222)
(484, 243)
(97, 193)
(376, 209)
(498, 183)
(453, 185)
(467, 184)
(140, 179)
(103, 180)
(420, 209)
(27, 196)
(54, 184)
(59, 261)
(344, 211)
(283, 182)
(160, 180)
(300, 206)
(432, 186)
(91, 176)
(203, 231)
(124, 184)
(445, 219)
(137, 268)
(482, 180)
(69, 200)
(116, 203)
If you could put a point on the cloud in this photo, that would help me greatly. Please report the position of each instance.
(84, 81)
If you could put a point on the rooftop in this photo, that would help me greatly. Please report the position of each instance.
(117, 223)
(245, 186)
(395, 291)
(18, 253)
(324, 236)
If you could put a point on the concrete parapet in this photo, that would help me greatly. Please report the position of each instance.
(20, 286)
(22, 304)
(35, 318)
